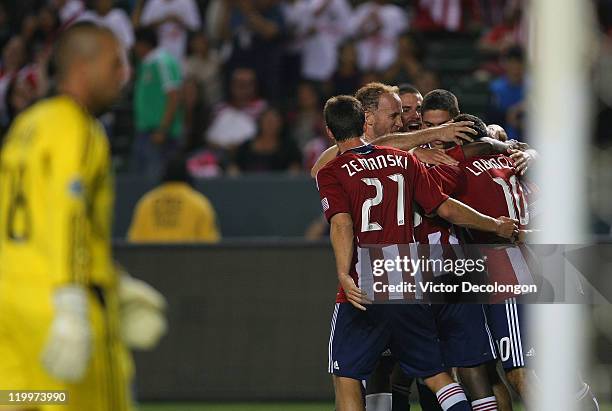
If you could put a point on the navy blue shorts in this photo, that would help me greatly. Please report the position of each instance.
(466, 340)
(509, 326)
(358, 338)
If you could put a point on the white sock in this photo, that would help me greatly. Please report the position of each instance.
(379, 402)
(485, 404)
(450, 395)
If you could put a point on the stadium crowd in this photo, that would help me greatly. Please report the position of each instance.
(238, 86)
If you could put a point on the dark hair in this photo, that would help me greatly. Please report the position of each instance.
(408, 89)
(176, 171)
(479, 126)
(344, 116)
(146, 35)
(259, 121)
(514, 53)
(440, 99)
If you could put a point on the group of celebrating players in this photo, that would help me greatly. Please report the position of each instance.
(409, 169)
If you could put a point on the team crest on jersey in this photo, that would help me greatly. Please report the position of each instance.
(325, 204)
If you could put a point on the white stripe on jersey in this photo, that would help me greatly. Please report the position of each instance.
(519, 265)
(395, 277)
(418, 275)
(365, 279)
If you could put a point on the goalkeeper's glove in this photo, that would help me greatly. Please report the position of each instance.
(143, 322)
(68, 348)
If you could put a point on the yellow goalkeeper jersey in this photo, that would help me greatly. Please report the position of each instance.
(56, 198)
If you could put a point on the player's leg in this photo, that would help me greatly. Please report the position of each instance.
(467, 344)
(348, 394)
(357, 340)
(378, 387)
(500, 390)
(506, 322)
(400, 389)
(427, 398)
(451, 396)
(416, 345)
(518, 377)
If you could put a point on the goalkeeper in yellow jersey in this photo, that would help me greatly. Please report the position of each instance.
(60, 322)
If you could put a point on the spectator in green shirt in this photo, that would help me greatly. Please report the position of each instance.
(158, 114)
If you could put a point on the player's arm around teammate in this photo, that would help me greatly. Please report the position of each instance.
(452, 132)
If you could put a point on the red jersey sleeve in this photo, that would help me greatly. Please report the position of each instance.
(456, 153)
(426, 190)
(449, 178)
(334, 199)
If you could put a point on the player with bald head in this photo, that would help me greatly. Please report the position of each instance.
(59, 299)
(91, 66)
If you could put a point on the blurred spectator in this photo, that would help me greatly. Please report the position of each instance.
(348, 77)
(68, 10)
(254, 30)
(234, 121)
(196, 114)
(14, 66)
(453, 15)
(115, 19)
(376, 26)
(19, 95)
(505, 34)
(307, 124)
(427, 81)
(174, 211)
(172, 19)
(47, 28)
(508, 94)
(5, 28)
(318, 229)
(203, 64)
(408, 66)
(307, 119)
(270, 150)
(157, 111)
(321, 25)
(493, 12)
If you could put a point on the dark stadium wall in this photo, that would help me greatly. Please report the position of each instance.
(247, 320)
(251, 206)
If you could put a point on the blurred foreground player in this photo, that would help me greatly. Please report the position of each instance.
(60, 295)
(351, 189)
